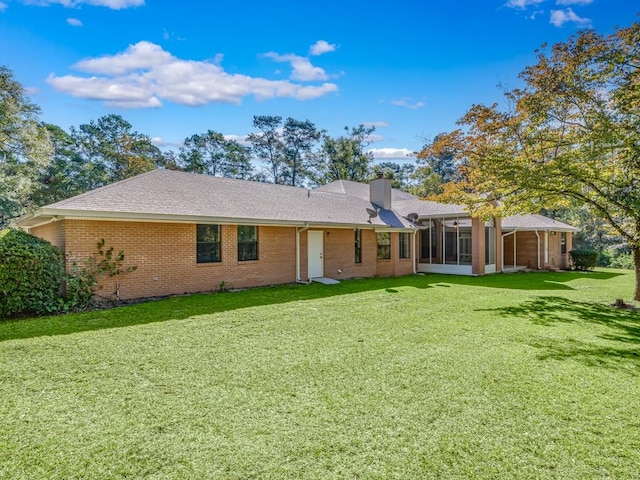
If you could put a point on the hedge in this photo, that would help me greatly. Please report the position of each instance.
(584, 259)
(32, 274)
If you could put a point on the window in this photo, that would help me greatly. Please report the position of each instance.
(405, 250)
(384, 246)
(208, 243)
(563, 242)
(247, 243)
(358, 246)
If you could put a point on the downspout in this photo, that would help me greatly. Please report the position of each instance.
(298, 231)
(415, 256)
(537, 235)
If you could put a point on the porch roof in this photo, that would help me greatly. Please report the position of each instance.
(532, 222)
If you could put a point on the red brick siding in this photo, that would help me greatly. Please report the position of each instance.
(165, 257)
(53, 233)
(339, 255)
(477, 246)
(527, 250)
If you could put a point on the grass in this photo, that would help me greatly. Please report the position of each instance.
(505, 376)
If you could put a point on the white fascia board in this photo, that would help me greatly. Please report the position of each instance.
(45, 215)
(447, 216)
(393, 229)
(540, 229)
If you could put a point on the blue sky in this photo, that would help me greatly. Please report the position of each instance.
(173, 69)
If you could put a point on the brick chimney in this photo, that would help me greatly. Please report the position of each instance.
(380, 192)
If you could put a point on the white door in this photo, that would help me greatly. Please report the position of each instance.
(315, 253)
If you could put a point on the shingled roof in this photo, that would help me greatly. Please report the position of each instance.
(535, 222)
(180, 196)
(173, 196)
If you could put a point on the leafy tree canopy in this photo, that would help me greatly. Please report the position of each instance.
(569, 137)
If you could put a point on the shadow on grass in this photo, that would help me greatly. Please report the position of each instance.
(617, 329)
(182, 307)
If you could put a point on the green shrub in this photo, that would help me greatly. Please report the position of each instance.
(31, 274)
(623, 260)
(584, 259)
(83, 279)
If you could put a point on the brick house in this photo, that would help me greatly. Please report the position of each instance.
(189, 233)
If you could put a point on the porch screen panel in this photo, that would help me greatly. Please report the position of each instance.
(428, 242)
(489, 245)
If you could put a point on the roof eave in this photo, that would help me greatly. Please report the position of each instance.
(47, 215)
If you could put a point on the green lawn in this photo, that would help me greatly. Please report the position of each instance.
(506, 376)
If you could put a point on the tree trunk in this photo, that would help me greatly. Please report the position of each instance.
(636, 260)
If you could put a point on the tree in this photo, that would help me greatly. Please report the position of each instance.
(24, 147)
(212, 154)
(435, 166)
(67, 174)
(344, 158)
(204, 153)
(268, 147)
(110, 144)
(571, 136)
(299, 138)
(399, 174)
(238, 161)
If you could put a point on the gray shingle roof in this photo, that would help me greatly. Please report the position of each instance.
(181, 196)
(535, 222)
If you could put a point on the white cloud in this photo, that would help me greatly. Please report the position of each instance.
(141, 56)
(144, 75)
(113, 4)
(536, 14)
(320, 47)
(3, 6)
(167, 35)
(406, 103)
(160, 142)
(375, 124)
(573, 2)
(390, 153)
(303, 70)
(560, 17)
(522, 4)
(241, 139)
(74, 22)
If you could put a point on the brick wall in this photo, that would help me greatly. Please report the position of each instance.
(527, 250)
(165, 257)
(53, 233)
(339, 255)
(477, 247)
